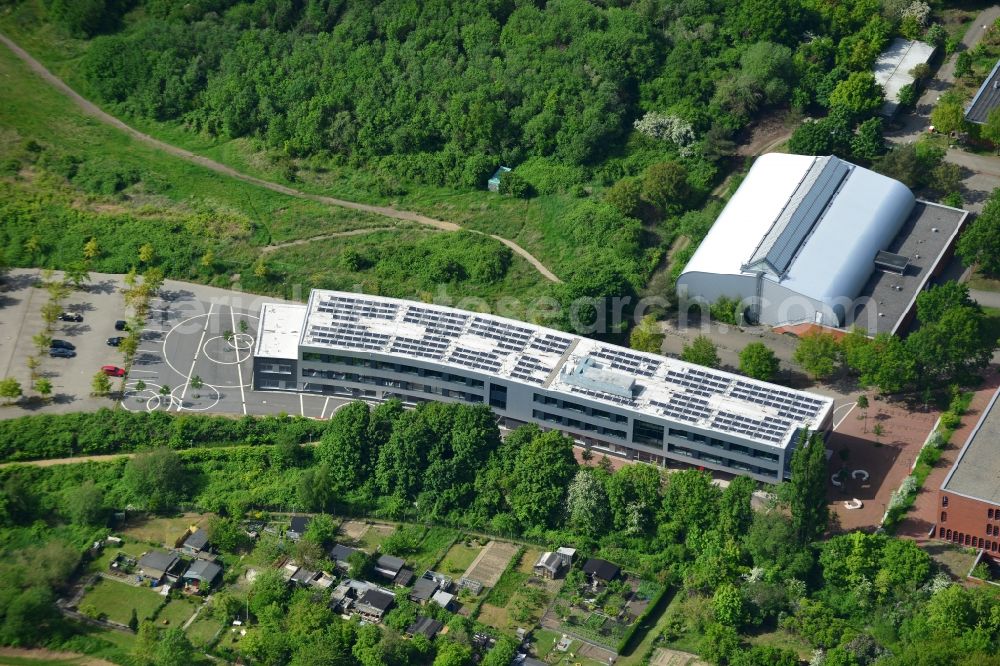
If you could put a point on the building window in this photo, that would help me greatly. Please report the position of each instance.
(647, 433)
(940, 533)
(944, 501)
(498, 396)
(989, 514)
(944, 516)
(948, 535)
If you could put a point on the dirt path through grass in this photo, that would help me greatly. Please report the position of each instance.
(93, 110)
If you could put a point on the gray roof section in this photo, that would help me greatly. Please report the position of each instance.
(390, 563)
(198, 540)
(158, 560)
(423, 589)
(987, 99)
(341, 553)
(802, 212)
(203, 570)
(892, 295)
(893, 67)
(976, 473)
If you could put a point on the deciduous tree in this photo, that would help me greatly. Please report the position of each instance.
(701, 351)
(758, 361)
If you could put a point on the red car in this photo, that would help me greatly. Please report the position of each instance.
(113, 371)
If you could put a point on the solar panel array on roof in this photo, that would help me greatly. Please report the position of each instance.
(526, 367)
(698, 382)
(553, 344)
(804, 209)
(685, 407)
(601, 395)
(343, 336)
(508, 337)
(351, 309)
(790, 405)
(477, 360)
(632, 363)
(769, 429)
(431, 346)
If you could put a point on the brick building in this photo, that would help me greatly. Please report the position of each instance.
(969, 499)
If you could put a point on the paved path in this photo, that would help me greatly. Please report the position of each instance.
(924, 513)
(92, 109)
(988, 299)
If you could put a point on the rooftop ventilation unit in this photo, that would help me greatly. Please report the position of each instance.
(891, 262)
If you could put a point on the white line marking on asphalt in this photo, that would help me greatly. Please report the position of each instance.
(302, 406)
(326, 403)
(152, 372)
(194, 360)
(837, 424)
(239, 366)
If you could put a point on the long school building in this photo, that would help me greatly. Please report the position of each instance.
(623, 402)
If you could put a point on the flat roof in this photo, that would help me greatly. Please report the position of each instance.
(893, 67)
(986, 99)
(279, 330)
(976, 472)
(548, 359)
(889, 296)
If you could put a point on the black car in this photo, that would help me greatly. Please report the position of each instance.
(115, 341)
(60, 352)
(62, 344)
(121, 325)
(70, 316)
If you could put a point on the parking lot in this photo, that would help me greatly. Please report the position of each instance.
(100, 304)
(195, 353)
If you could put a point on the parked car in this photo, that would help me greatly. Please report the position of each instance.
(60, 352)
(62, 344)
(115, 341)
(113, 371)
(121, 325)
(70, 316)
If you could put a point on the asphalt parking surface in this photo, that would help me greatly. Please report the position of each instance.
(192, 332)
(196, 356)
(21, 301)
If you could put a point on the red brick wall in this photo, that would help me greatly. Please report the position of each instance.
(969, 522)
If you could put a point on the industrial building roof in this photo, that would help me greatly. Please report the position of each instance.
(976, 472)
(893, 67)
(986, 99)
(793, 210)
(923, 241)
(559, 362)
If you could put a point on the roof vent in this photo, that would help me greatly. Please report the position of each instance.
(934, 229)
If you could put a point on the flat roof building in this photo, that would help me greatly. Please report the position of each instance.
(623, 402)
(986, 99)
(969, 499)
(818, 240)
(894, 69)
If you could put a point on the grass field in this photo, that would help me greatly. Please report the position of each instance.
(432, 548)
(104, 561)
(176, 613)
(116, 600)
(458, 558)
(202, 630)
(165, 531)
(545, 643)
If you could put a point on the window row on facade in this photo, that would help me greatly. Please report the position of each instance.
(722, 445)
(963, 539)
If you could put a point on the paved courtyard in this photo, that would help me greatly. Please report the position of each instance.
(197, 356)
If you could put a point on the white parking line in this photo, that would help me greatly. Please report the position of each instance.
(152, 372)
(239, 365)
(194, 360)
(326, 403)
(302, 406)
(837, 424)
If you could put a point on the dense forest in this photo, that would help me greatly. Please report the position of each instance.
(856, 598)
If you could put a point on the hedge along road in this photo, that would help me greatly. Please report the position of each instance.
(107, 457)
(92, 109)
